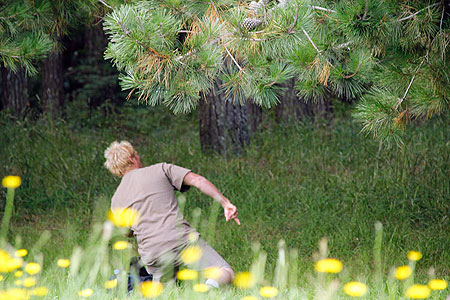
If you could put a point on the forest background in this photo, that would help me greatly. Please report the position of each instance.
(302, 171)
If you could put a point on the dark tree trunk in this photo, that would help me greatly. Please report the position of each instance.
(254, 117)
(52, 84)
(223, 125)
(292, 108)
(14, 95)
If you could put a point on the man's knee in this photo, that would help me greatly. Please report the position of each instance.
(227, 276)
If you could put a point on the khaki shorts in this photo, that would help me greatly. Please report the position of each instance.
(165, 268)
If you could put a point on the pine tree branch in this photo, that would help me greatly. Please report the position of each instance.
(417, 12)
(366, 10)
(442, 18)
(105, 4)
(291, 29)
(314, 45)
(356, 72)
(322, 8)
(410, 83)
(234, 60)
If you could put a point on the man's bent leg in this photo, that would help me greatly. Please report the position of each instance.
(210, 258)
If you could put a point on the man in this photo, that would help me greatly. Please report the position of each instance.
(162, 233)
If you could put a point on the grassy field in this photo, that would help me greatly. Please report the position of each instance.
(296, 183)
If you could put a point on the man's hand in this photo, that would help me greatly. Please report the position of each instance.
(231, 212)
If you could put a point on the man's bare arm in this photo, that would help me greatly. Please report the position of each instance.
(207, 188)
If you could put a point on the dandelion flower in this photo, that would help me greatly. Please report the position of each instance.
(7, 263)
(32, 268)
(29, 282)
(39, 291)
(121, 245)
(249, 298)
(403, 272)
(14, 294)
(85, 293)
(414, 255)
(191, 254)
(418, 291)
(212, 273)
(110, 284)
(268, 291)
(18, 282)
(151, 289)
(12, 182)
(355, 289)
(328, 265)
(200, 288)
(126, 217)
(21, 252)
(435, 284)
(18, 274)
(187, 274)
(63, 263)
(243, 280)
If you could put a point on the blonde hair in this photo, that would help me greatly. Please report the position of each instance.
(118, 157)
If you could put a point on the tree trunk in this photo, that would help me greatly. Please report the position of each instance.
(223, 125)
(14, 95)
(52, 84)
(292, 108)
(254, 116)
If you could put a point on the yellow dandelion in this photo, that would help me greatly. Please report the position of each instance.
(7, 263)
(435, 284)
(187, 274)
(418, 291)
(63, 263)
(212, 273)
(14, 294)
(21, 252)
(32, 268)
(244, 280)
(126, 217)
(191, 254)
(18, 274)
(121, 245)
(328, 265)
(200, 288)
(403, 272)
(110, 284)
(355, 289)
(249, 298)
(39, 291)
(85, 293)
(151, 289)
(268, 291)
(29, 282)
(11, 182)
(18, 282)
(414, 255)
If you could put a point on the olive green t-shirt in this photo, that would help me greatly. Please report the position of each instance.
(151, 192)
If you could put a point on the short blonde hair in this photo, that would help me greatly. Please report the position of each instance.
(118, 157)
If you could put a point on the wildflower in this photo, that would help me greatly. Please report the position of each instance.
(14, 294)
(151, 289)
(110, 284)
(32, 268)
(355, 289)
(126, 217)
(12, 182)
(200, 288)
(243, 280)
(18, 274)
(39, 291)
(7, 263)
(414, 255)
(85, 293)
(212, 273)
(187, 274)
(18, 282)
(29, 282)
(21, 252)
(191, 254)
(435, 284)
(417, 291)
(403, 272)
(121, 245)
(63, 263)
(328, 265)
(249, 298)
(268, 291)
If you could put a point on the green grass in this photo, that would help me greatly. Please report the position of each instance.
(298, 183)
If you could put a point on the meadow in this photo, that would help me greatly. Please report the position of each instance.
(295, 185)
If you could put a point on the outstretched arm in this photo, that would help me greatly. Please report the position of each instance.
(207, 188)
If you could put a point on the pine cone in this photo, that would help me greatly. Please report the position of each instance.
(251, 23)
